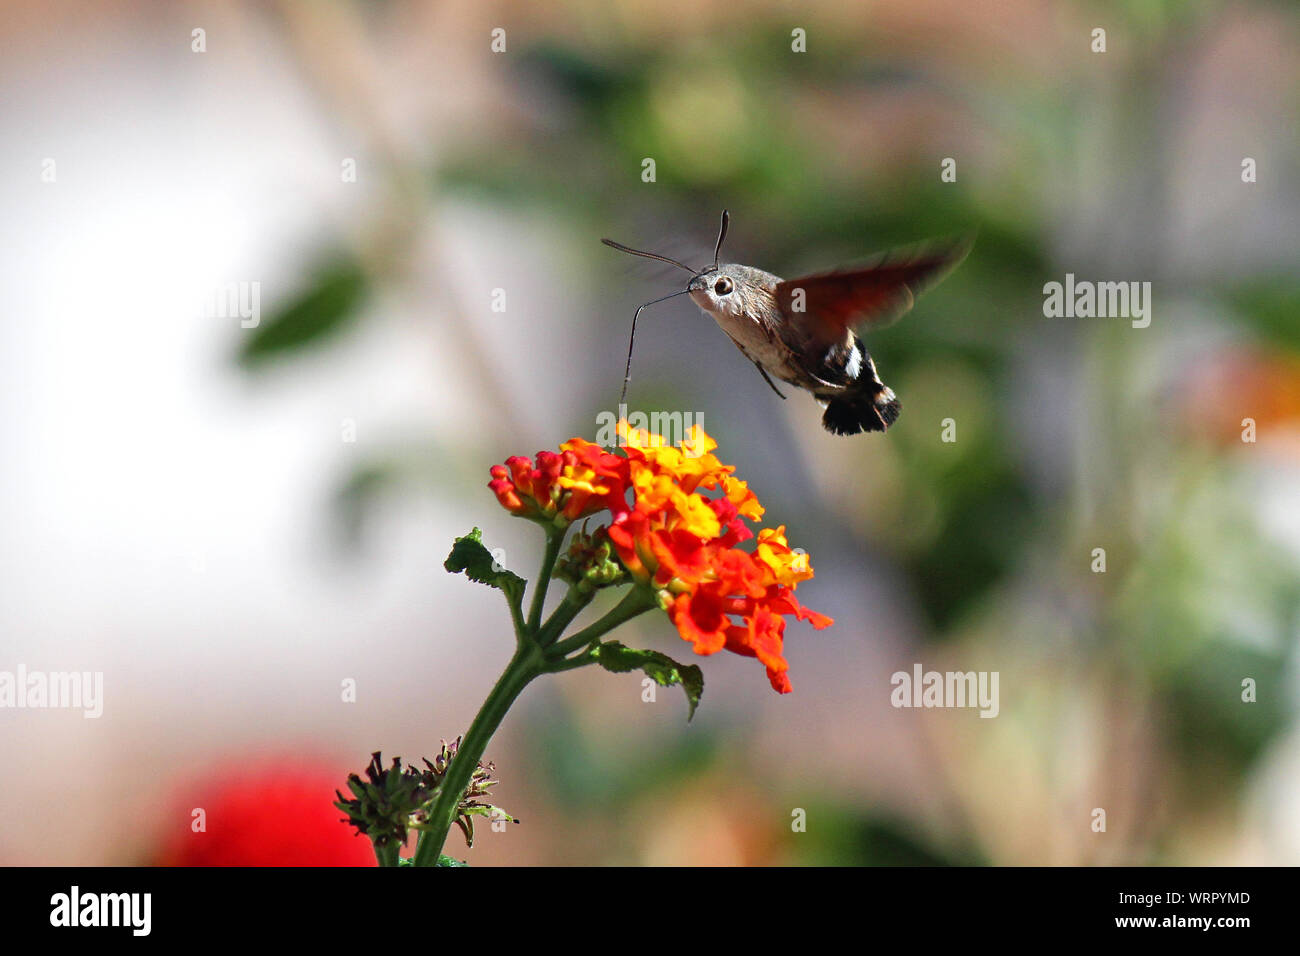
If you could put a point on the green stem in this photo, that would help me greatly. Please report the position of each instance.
(554, 540)
(524, 666)
(637, 601)
(387, 856)
(570, 663)
(575, 599)
(522, 631)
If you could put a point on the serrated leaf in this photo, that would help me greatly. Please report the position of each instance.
(662, 669)
(470, 557)
(324, 307)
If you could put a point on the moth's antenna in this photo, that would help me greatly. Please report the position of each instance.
(722, 234)
(627, 372)
(649, 255)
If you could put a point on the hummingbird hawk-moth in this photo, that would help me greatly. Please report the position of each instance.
(803, 331)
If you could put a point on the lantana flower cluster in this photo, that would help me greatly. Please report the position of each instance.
(673, 538)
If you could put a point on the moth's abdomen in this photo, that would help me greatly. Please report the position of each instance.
(871, 408)
(857, 401)
(845, 362)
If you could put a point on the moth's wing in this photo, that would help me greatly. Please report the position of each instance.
(871, 296)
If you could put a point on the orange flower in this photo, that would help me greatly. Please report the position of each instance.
(676, 540)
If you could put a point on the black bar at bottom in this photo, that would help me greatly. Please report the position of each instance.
(488, 905)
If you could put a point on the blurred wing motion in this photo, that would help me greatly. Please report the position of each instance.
(871, 296)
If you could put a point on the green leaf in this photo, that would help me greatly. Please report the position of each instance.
(330, 301)
(468, 555)
(662, 669)
(1270, 307)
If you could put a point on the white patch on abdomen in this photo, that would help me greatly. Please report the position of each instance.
(853, 368)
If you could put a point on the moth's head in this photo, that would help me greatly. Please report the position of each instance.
(719, 289)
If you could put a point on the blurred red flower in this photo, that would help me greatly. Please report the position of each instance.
(273, 814)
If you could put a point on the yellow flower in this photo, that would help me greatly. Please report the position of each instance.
(789, 567)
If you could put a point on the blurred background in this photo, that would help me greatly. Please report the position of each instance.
(229, 522)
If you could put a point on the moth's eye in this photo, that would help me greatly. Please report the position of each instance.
(722, 286)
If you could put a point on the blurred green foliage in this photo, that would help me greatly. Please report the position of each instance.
(330, 300)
